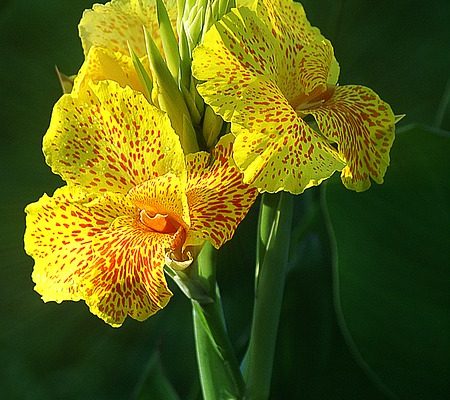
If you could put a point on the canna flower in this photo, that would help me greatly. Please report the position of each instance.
(119, 24)
(107, 33)
(132, 199)
(268, 72)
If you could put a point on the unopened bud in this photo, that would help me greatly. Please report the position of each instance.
(212, 126)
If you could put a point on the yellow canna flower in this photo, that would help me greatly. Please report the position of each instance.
(132, 198)
(266, 70)
(120, 23)
(107, 33)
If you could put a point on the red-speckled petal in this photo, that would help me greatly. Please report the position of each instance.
(314, 66)
(126, 274)
(288, 22)
(237, 51)
(275, 148)
(104, 64)
(111, 140)
(59, 233)
(363, 127)
(218, 199)
(292, 31)
(115, 24)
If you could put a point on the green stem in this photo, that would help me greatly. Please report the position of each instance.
(274, 230)
(219, 370)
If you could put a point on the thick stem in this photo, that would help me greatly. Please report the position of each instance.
(275, 221)
(220, 376)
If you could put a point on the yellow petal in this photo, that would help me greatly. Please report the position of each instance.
(218, 198)
(59, 233)
(237, 51)
(288, 24)
(111, 139)
(115, 24)
(362, 125)
(275, 148)
(315, 67)
(104, 64)
(126, 274)
(241, 49)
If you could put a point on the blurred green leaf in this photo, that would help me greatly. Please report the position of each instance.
(313, 361)
(154, 384)
(392, 267)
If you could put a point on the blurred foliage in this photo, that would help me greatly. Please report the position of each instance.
(392, 266)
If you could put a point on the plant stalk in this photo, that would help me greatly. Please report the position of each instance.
(274, 231)
(220, 376)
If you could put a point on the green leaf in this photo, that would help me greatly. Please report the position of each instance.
(212, 126)
(311, 350)
(191, 288)
(185, 58)
(190, 103)
(193, 24)
(392, 267)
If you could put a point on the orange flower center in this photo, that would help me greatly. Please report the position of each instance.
(161, 223)
(314, 99)
(167, 224)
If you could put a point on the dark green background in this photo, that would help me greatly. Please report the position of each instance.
(366, 310)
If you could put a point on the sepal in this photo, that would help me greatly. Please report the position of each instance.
(191, 287)
(65, 81)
